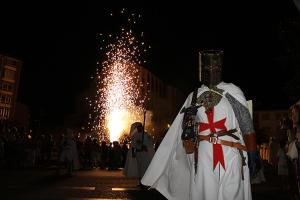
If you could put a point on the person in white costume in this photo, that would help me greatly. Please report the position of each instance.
(141, 152)
(224, 143)
(69, 154)
(131, 168)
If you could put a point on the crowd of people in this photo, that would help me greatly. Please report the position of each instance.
(20, 149)
(282, 154)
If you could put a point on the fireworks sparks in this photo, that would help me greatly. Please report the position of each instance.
(119, 101)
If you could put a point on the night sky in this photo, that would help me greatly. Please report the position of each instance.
(59, 45)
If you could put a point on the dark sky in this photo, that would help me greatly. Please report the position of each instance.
(59, 45)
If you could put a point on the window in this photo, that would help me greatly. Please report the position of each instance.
(11, 62)
(2, 98)
(3, 86)
(10, 87)
(6, 113)
(5, 99)
(9, 74)
(8, 99)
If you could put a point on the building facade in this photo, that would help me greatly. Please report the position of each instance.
(164, 102)
(10, 69)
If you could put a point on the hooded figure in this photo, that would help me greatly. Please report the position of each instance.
(140, 153)
(69, 153)
(219, 126)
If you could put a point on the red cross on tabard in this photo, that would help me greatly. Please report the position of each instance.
(212, 126)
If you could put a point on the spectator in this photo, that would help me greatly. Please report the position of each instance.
(282, 165)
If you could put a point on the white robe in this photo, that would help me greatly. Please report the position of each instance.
(131, 168)
(70, 153)
(172, 172)
(136, 166)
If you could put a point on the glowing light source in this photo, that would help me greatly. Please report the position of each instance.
(118, 99)
(116, 123)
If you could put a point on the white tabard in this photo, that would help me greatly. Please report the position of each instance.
(172, 171)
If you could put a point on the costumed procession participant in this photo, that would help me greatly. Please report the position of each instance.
(209, 152)
(293, 151)
(140, 153)
(131, 169)
(282, 166)
(69, 155)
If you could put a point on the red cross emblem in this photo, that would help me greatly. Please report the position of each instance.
(212, 126)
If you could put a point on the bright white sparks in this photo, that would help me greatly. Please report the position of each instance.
(119, 102)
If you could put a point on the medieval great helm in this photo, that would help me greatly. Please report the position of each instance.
(210, 67)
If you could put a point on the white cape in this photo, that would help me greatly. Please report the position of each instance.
(131, 169)
(171, 171)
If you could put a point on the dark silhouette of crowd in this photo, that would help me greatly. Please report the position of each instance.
(94, 154)
(26, 149)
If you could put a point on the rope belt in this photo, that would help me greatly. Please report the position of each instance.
(215, 140)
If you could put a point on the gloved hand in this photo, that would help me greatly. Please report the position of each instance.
(253, 163)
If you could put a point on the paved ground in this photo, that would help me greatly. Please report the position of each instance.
(97, 185)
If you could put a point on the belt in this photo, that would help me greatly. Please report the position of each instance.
(226, 132)
(215, 140)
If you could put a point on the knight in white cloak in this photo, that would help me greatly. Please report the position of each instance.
(216, 122)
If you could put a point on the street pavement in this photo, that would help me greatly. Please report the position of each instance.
(96, 184)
